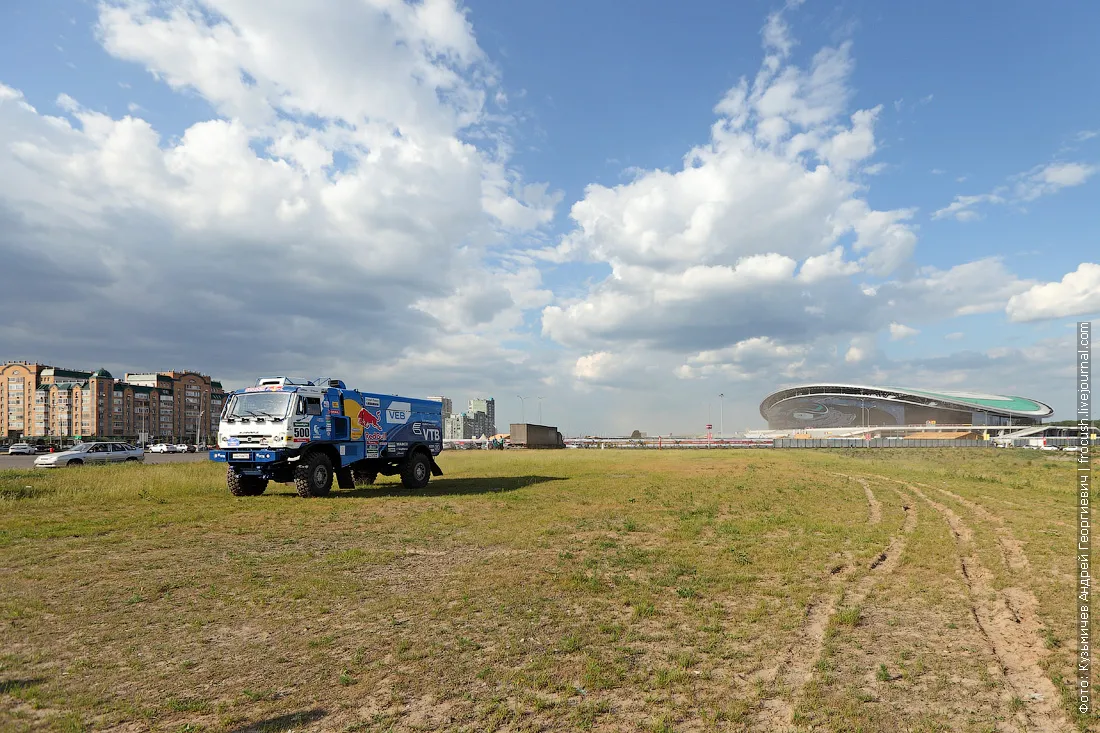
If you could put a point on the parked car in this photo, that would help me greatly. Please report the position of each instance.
(82, 453)
(25, 449)
(181, 447)
(162, 448)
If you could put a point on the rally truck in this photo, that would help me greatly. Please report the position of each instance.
(309, 432)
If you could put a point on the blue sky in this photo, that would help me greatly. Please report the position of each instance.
(440, 290)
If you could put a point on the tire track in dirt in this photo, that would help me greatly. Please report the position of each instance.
(872, 501)
(1012, 550)
(1008, 621)
(801, 657)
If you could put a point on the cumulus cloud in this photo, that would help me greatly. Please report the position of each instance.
(349, 200)
(749, 359)
(1049, 179)
(899, 331)
(761, 242)
(1076, 294)
(757, 234)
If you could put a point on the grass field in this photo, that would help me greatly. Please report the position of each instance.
(871, 590)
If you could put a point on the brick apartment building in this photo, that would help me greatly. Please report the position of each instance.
(41, 401)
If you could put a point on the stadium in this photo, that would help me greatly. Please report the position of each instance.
(855, 406)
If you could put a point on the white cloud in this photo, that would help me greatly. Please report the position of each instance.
(899, 331)
(339, 189)
(981, 286)
(756, 234)
(1084, 135)
(830, 264)
(1077, 294)
(1040, 181)
(955, 336)
(962, 208)
(1052, 178)
(745, 360)
(861, 349)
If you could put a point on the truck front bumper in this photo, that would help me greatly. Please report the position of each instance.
(247, 456)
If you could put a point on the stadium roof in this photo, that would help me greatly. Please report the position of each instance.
(1001, 404)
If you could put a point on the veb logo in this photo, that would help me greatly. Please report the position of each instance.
(398, 413)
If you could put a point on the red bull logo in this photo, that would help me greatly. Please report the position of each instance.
(369, 420)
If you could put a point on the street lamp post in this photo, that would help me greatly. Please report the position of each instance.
(198, 428)
(522, 418)
(540, 399)
(721, 416)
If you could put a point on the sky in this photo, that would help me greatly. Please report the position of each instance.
(625, 212)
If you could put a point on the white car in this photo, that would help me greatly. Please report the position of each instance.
(160, 448)
(83, 453)
(181, 447)
(25, 449)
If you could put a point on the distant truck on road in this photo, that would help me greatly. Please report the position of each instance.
(307, 434)
(526, 435)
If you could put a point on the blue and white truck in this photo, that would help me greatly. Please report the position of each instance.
(308, 433)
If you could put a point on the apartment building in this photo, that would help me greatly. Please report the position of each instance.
(487, 408)
(39, 401)
(445, 403)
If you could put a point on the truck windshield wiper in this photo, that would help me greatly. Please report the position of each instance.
(262, 413)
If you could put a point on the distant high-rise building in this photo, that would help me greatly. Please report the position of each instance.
(457, 427)
(488, 408)
(446, 402)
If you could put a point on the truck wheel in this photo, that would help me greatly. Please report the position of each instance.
(244, 485)
(313, 476)
(363, 477)
(416, 471)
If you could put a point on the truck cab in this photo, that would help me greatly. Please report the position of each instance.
(309, 433)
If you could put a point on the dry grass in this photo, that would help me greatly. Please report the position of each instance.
(604, 590)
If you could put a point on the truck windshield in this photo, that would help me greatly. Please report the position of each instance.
(271, 405)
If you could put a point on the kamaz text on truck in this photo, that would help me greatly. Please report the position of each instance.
(307, 434)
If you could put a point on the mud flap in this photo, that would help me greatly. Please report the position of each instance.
(344, 478)
(436, 470)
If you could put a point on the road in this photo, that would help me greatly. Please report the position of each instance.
(7, 462)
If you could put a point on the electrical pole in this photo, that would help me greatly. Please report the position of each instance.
(721, 416)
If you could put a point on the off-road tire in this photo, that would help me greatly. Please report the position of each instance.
(244, 485)
(363, 477)
(313, 476)
(416, 471)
